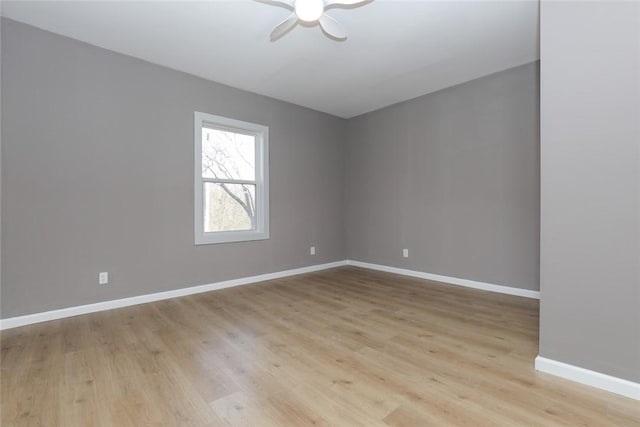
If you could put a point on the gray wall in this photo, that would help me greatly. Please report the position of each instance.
(0, 161)
(590, 234)
(97, 176)
(454, 177)
(97, 164)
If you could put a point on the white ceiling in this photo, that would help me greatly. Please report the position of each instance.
(396, 50)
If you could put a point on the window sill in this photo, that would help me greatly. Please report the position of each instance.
(230, 237)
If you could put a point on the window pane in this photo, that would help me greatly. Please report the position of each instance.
(228, 155)
(229, 207)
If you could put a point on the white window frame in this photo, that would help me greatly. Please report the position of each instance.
(261, 133)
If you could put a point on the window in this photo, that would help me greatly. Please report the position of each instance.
(231, 180)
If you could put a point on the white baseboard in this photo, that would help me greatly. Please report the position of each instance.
(591, 378)
(14, 322)
(542, 364)
(451, 280)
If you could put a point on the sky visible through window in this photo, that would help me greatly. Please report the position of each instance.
(228, 156)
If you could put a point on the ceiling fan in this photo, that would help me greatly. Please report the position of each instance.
(311, 12)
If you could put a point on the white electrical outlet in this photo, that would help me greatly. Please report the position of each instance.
(312, 250)
(103, 278)
(405, 253)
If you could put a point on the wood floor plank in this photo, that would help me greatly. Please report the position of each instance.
(341, 347)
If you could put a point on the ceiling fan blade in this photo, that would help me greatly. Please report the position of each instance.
(337, 3)
(287, 4)
(284, 27)
(332, 27)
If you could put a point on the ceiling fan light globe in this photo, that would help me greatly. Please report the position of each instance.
(309, 10)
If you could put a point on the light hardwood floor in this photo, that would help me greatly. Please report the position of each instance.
(343, 347)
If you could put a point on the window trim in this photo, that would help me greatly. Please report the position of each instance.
(261, 133)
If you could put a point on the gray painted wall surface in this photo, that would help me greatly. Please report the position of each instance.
(97, 175)
(0, 161)
(590, 243)
(454, 177)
